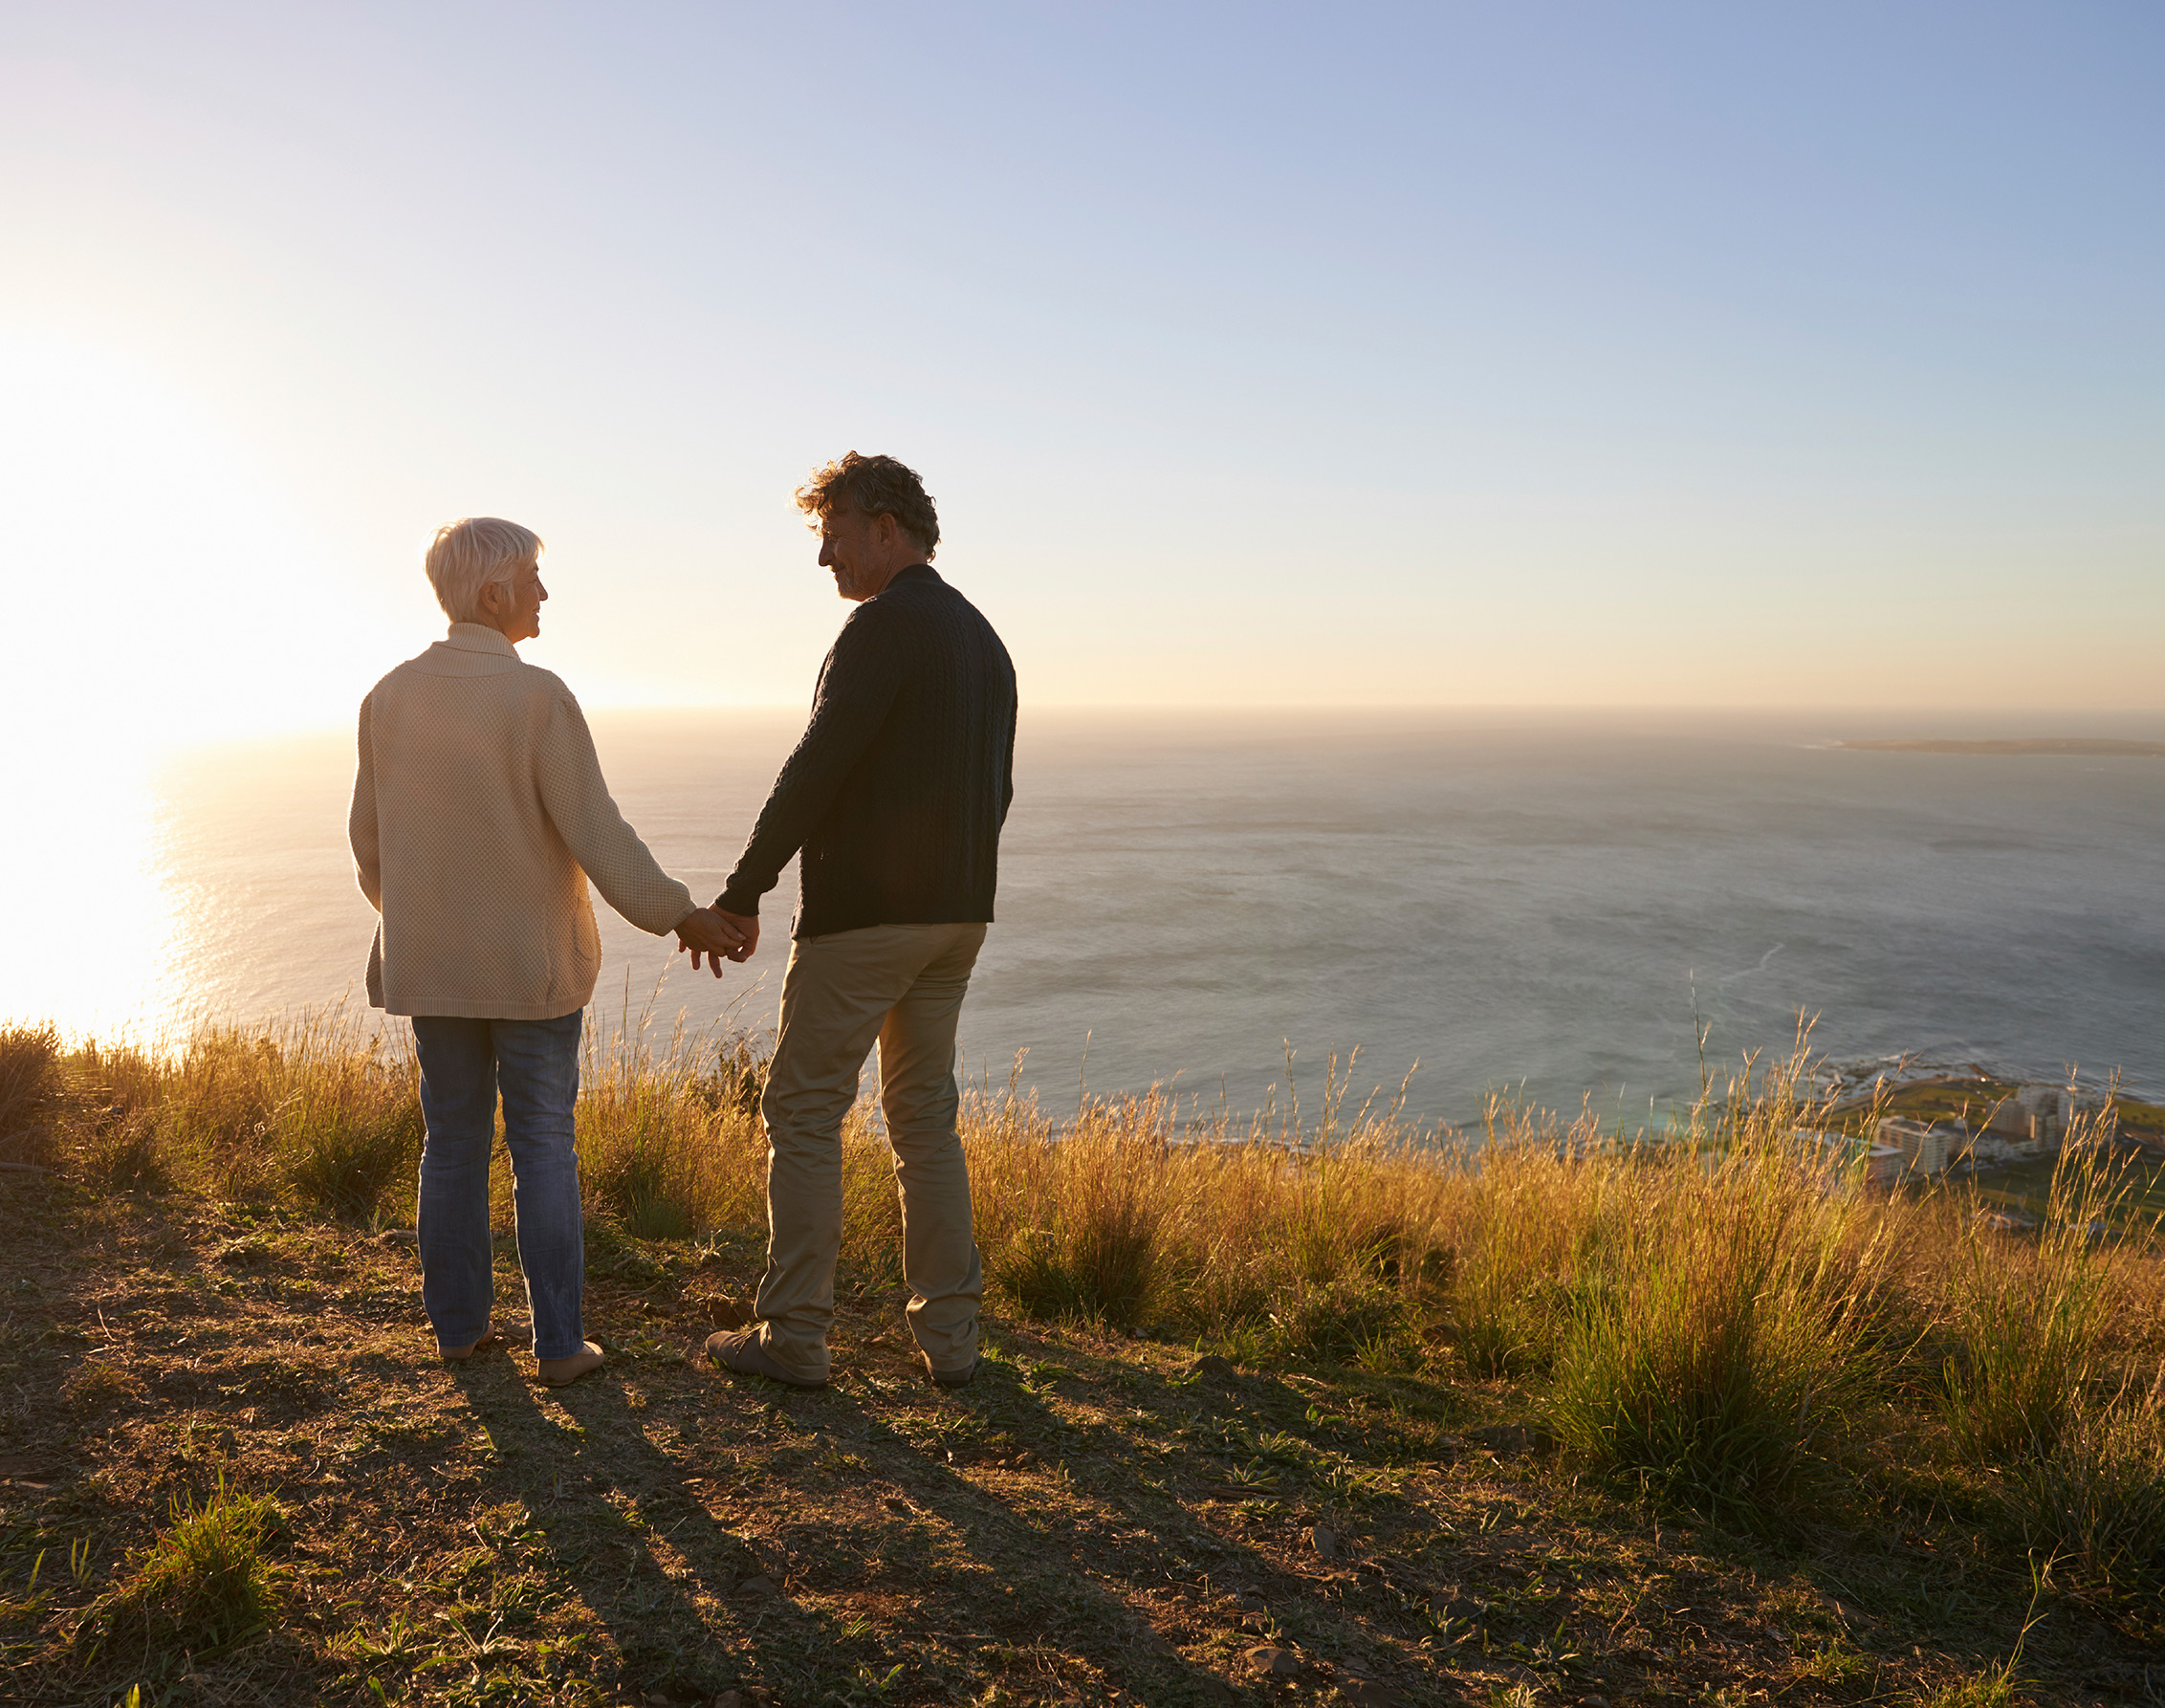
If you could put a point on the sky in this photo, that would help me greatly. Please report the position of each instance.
(1692, 355)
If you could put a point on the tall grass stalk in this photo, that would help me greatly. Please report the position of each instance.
(1538, 1204)
(1724, 1325)
(1131, 1212)
(30, 1078)
(666, 1144)
(1077, 1228)
(316, 1110)
(2029, 1318)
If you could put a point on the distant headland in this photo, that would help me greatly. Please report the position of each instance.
(2082, 746)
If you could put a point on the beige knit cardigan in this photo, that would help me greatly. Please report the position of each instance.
(478, 815)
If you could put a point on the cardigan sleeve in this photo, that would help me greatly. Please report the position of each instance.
(568, 774)
(360, 817)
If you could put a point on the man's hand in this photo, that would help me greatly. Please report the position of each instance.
(705, 932)
(747, 927)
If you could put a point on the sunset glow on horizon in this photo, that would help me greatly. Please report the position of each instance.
(1412, 357)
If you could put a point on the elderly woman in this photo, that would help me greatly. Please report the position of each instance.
(479, 814)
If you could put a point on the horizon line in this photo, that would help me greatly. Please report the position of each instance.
(2022, 724)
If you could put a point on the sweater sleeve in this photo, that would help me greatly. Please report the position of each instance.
(1007, 760)
(578, 803)
(858, 685)
(360, 817)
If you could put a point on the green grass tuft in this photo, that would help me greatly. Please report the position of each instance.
(1992, 1688)
(1349, 1319)
(204, 1586)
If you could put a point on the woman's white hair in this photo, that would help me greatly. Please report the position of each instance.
(469, 553)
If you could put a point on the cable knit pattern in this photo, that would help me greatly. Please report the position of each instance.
(897, 791)
(479, 813)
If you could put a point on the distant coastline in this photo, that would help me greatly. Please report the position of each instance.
(2075, 746)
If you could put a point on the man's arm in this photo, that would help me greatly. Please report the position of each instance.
(1007, 764)
(361, 819)
(578, 803)
(857, 686)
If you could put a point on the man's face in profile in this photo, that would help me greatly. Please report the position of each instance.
(849, 546)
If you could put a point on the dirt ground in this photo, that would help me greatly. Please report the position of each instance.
(1098, 1518)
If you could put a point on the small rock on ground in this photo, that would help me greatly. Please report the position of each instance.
(1509, 1440)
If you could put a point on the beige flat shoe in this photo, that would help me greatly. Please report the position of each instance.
(555, 1372)
(488, 1341)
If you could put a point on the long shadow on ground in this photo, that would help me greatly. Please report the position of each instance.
(694, 1604)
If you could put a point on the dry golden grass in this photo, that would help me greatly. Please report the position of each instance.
(1708, 1313)
(30, 1074)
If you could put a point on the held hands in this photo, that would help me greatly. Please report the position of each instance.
(719, 936)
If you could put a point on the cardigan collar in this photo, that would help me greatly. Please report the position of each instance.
(479, 637)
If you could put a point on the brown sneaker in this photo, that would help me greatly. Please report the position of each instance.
(739, 1349)
(555, 1372)
(960, 1378)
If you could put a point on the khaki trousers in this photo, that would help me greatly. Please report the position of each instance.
(901, 985)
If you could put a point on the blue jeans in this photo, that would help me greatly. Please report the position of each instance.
(461, 1064)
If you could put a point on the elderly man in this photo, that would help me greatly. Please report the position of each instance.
(479, 814)
(895, 797)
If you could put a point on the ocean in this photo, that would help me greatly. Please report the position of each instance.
(1530, 903)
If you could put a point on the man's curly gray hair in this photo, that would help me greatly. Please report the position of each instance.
(873, 486)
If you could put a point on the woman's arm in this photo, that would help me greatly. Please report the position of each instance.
(579, 804)
(361, 819)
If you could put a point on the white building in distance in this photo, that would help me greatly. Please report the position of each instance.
(2035, 1119)
(1923, 1144)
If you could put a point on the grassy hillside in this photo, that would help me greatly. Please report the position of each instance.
(1292, 1409)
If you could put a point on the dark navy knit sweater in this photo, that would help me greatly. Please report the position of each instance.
(897, 792)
